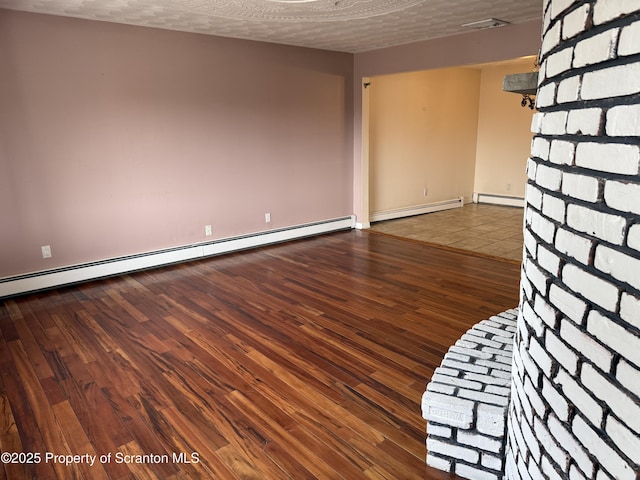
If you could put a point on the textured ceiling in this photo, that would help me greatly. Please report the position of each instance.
(342, 25)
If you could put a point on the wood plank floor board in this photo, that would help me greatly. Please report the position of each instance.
(301, 360)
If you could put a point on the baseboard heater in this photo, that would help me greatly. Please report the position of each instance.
(498, 199)
(417, 210)
(17, 285)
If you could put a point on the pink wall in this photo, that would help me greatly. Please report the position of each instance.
(117, 140)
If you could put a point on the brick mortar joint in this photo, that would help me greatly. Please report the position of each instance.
(590, 268)
(617, 61)
(590, 30)
(477, 424)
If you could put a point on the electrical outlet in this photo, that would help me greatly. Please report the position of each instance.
(267, 218)
(426, 191)
(508, 187)
(207, 230)
(46, 251)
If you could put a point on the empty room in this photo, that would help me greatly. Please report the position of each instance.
(193, 278)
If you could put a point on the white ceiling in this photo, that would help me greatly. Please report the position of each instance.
(343, 25)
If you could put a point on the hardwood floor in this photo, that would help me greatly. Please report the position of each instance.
(300, 360)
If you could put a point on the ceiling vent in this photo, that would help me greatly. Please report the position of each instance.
(488, 23)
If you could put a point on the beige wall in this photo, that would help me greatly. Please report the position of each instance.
(504, 138)
(451, 131)
(422, 132)
(488, 45)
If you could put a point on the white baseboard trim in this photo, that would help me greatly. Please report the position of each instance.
(17, 285)
(493, 199)
(417, 210)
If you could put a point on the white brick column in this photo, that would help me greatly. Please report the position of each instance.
(575, 397)
(466, 402)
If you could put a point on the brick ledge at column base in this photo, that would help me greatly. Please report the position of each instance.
(467, 400)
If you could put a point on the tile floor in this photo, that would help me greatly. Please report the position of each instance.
(491, 230)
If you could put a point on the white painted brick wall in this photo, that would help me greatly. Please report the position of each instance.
(620, 402)
(549, 444)
(575, 22)
(576, 246)
(611, 82)
(523, 471)
(532, 443)
(481, 442)
(630, 309)
(623, 120)
(490, 420)
(562, 354)
(556, 400)
(534, 398)
(546, 95)
(608, 157)
(589, 286)
(562, 152)
(533, 469)
(575, 474)
(545, 311)
(580, 186)
(607, 10)
(571, 445)
(585, 121)
(596, 49)
(567, 303)
(534, 197)
(619, 265)
(444, 464)
(455, 451)
(559, 6)
(553, 123)
(529, 366)
(536, 122)
(633, 239)
(491, 462)
(576, 367)
(551, 38)
(629, 40)
(605, 226)
(467, 471)
(439, 430)
(447, 410)
(540, 148)
(625, 439)
(629, 376)
(554, 208)
(615, 336)
(607, 457)
(467, 427)
(624, 197)
(549, 470)
(579, 397)
(532, 319)
(586, 345)
(540, 356)
(541, 226)
(559, 62)
(601, 475)
(536, 276)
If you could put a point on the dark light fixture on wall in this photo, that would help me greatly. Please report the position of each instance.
(525, 84)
